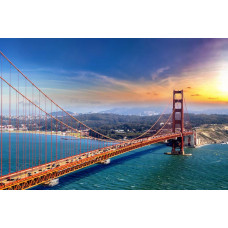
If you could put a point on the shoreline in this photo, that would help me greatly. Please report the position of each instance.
(205, 145)
(208, 144)
(41, 133)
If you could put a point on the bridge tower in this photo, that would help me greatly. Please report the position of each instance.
(178, 122)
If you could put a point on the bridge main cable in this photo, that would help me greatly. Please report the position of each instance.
(105, 136)
(40, 107)
(151, 126)
(56, 103)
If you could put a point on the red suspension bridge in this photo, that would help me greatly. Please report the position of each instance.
(41, 142)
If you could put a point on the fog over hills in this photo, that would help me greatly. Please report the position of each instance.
(150, 111)
(211, 111)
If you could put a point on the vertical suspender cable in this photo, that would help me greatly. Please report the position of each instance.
(1, 116)
(16, 132)
(51, 132)
(18, 141)
(80, 140)
(35, 136)
(61, 141)
(65, 137)
(87, 141)
(45, 132)
(29, 128)
(33, 122)
(71, 138)
(56, 150)
(10, 124)
(40, 144)
(77, 137)
(25, 123)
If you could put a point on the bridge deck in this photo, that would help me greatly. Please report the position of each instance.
(40, 174)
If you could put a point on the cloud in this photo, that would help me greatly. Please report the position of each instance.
(86, 88)
(89, 79)
(154, 94)
(212, 98)
(158, 72)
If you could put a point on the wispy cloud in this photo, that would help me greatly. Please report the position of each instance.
(91, 88)
(158, 72)
(84, 87)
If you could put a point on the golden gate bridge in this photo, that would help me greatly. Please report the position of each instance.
(41, 142)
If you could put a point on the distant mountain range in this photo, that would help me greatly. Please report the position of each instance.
(150, 111)
(211, 111)
(134, 111)
(145, 111)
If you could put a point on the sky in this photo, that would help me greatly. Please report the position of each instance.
(90, 75)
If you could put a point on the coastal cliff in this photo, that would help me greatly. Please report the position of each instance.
(212, 133)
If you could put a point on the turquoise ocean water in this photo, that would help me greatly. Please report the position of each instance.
(148, 168)
(145, 168)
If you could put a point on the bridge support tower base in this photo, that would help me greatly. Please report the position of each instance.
(170, 153)
(178, 148)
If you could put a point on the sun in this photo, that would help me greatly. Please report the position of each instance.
(223, 82)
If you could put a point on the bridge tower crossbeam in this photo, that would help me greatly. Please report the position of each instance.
(178, 122)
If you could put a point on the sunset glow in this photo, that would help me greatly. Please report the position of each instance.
(125, 72)
(223, 82)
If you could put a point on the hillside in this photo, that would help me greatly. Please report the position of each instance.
(212, 133)
(210, 128)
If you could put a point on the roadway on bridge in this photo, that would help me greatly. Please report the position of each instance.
(17, 176)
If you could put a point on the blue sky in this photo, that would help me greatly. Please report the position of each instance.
(118, 58)
(97, 74)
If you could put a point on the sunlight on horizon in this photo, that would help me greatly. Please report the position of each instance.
(223, 82)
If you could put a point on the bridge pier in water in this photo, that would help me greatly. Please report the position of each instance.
(106, 162)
